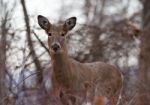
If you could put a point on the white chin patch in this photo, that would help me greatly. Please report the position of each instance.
(55, 52)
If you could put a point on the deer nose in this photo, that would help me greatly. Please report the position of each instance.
(55, 47)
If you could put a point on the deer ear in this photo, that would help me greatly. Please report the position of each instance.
(70, 23)
(43, 22)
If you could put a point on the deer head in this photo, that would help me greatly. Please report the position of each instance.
(56, 33)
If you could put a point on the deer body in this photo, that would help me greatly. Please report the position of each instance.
(68, 73)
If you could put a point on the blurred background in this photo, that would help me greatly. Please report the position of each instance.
(112, 31)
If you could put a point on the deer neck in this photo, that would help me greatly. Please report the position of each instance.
(61, 69)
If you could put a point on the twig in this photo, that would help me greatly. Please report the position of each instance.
(42, 44)
(17, 86)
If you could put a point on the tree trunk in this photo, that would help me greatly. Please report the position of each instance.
(144, 58)
(96, 21)
(3, 61)
(34, 56)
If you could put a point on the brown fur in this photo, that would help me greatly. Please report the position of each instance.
(70, 74)
(100, 100)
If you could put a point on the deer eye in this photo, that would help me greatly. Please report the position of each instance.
(62, 34)
(49, 34)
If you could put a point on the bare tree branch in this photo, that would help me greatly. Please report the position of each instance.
(31, 47)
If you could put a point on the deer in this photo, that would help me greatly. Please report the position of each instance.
(70, 74)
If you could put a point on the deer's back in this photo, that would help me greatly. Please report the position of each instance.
(105, 79)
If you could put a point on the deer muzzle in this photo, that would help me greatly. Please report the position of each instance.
(56, 47)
